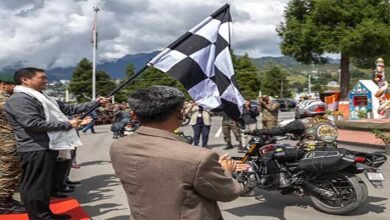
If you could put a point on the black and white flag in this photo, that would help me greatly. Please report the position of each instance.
(201, 61)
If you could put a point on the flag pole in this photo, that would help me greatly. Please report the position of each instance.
(96, 9)
(113, 92)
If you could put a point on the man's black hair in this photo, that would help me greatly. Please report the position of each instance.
(156, 103)
(28, 72)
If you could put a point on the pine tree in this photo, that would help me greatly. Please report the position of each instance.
(246, 75)
(274, 81)
(358, 30)
(81, 82)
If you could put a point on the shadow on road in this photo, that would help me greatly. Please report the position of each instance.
(270, 204)
(123, 217)
(95, 189)
(369, 207)
(96, 162)
(214, 145)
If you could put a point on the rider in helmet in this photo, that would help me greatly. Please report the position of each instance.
(311, 126)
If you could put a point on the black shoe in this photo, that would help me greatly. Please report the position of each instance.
(12, 208)
(240, 150)
(59, 195)
(66, 189)
(68, 182)
(228, 147)
(70, 186)
(61, 217)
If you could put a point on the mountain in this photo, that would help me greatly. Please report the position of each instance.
(117, 68)
(290, 63)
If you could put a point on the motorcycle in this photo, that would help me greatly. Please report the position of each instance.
(127, 125)
(187, 138)
(327, 174)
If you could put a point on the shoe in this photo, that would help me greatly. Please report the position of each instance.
(70, 186)
(61, 217)
(66, 189)
(11, 207)
(240, 149)
(68, 182)
(228, 147)
(59, 195)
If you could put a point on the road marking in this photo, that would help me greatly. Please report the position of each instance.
(218, 132)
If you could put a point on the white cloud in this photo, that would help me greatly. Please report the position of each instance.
(57, 33)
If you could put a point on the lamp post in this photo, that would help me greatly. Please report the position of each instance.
(94, 39)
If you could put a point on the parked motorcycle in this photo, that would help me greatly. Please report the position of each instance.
(327, 175)
(127, 125)
(188, 139)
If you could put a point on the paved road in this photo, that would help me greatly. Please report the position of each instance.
(102, 196)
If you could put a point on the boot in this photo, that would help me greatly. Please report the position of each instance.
(240, 149)
(228, 146)
(11, 206)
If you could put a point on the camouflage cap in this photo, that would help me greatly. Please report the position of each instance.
(7, 77)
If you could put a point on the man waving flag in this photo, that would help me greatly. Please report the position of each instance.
(201, 61)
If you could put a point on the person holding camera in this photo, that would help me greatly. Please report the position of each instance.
(269, 111)
(249, 114)
(200, 120)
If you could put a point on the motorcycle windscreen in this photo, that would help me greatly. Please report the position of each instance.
(325, 161)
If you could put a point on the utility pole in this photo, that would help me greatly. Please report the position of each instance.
(309, 83)
(94, 39)
(281, 88)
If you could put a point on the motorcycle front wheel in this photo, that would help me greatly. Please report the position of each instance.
(247, 185)
(350, 192)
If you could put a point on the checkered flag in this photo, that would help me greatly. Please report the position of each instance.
(201, 61)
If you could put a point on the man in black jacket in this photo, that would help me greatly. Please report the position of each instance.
(26, 115)
(249, 114)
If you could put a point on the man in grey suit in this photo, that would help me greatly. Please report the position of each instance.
(165, 178)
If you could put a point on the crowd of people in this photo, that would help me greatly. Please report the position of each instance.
(41, 135)
(201, 121)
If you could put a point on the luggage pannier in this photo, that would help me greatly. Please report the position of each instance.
(325, 161)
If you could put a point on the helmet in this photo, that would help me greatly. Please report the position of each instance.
(309, 108)
(379, 60)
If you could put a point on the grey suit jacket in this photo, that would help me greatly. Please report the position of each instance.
(27, 118)
(165, 178)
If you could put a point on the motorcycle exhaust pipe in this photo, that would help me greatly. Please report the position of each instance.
(315, 189)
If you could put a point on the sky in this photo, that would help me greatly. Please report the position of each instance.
(57, 33)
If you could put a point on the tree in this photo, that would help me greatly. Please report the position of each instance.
(123, 94)
(275, 83)
(321, 80)
(246, 74)
(130, 70)
(357, 29)
(81, 83)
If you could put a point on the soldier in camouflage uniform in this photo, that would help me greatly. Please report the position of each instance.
(229, 125)
(269, 111)
(9, 164)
